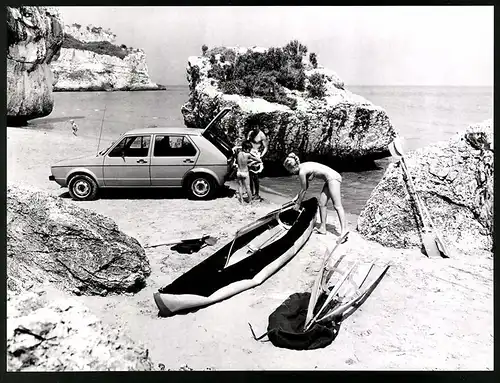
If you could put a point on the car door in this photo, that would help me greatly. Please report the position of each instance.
(127, 164)
(172, 157)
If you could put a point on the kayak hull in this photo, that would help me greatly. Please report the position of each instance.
(182, 295)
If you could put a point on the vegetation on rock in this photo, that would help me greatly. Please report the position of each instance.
(261, 74)
(99, 47)
(316, 86)
(313, 59)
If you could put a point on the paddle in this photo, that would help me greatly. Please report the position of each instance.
(433, 244)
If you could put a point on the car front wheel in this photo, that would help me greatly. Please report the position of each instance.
(82, 188)
(201, 187)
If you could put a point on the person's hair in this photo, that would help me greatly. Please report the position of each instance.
(246, 146)
(253, 132)
(291, 161)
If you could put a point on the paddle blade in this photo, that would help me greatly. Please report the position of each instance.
(430, 245)
(396, 148)
(210, 241)
(442, 247)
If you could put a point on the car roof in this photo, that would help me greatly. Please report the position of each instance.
(166, 130)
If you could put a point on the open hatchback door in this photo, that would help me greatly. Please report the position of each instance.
(216, 136)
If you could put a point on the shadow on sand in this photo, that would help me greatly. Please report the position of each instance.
(160, 193)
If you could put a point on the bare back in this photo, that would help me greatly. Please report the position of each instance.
(313, 170)
(242, 160)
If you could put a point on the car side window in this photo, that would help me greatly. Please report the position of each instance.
(135, 146)
(173, 146)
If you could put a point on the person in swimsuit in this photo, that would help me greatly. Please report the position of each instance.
(242, 174)
(260, 146)
(307, 171)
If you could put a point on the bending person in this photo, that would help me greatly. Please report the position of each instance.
(307, 171)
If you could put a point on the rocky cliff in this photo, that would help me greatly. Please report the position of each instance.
(455, 181)
(90, 60)
(304, 106)
(34, 37)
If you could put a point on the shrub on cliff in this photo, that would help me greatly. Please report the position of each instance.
(261, 74)
(99, 47)
(313, 58)
(316, 86)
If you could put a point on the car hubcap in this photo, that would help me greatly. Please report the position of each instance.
(200, 187)
(81, 188)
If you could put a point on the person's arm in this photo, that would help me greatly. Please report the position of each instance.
(265, 143)
(303, 189)
(253, 158)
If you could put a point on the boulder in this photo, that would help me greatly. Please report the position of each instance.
(337, 127)
(50, 239)
(34, 38)
(455, 181)
(47, 334)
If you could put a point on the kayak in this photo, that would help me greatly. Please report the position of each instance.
(255, 253)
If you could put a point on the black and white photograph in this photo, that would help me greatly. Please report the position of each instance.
(249, 188)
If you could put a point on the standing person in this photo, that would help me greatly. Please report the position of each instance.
(242, 175)
(307, 171)
(260, 144)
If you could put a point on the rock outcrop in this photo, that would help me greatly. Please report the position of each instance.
(47, 334)
(34, 37)
(454, 178)
(338, 125)
(49, 239)
(90, 61)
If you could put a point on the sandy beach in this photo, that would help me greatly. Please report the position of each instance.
(425, 314)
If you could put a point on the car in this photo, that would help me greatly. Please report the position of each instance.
(197, 160)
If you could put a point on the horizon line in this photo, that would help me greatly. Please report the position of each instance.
(393, 85)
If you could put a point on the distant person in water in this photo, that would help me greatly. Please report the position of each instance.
(260, 146)
(307, 171)
(244, 158)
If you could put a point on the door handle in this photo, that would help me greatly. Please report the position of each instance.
(189, 161)
(141, 161)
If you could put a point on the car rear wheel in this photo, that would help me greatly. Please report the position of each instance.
(82, 188)
(201, 187)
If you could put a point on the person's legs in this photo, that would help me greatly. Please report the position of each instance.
(247, 186)
(240, 189)
(252, 187)
(256, 184)
(323, 200)
(334, 192)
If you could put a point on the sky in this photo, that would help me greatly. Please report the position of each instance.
(400, 45)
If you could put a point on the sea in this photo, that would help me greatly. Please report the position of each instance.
(420, 114)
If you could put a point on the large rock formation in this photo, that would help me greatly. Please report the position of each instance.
(454, 178)
(47, 334)
(89, 61)
(49, 239)
(34, 37)
(327, 125)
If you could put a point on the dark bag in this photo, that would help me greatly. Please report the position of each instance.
(287, 322)
(187, 248)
